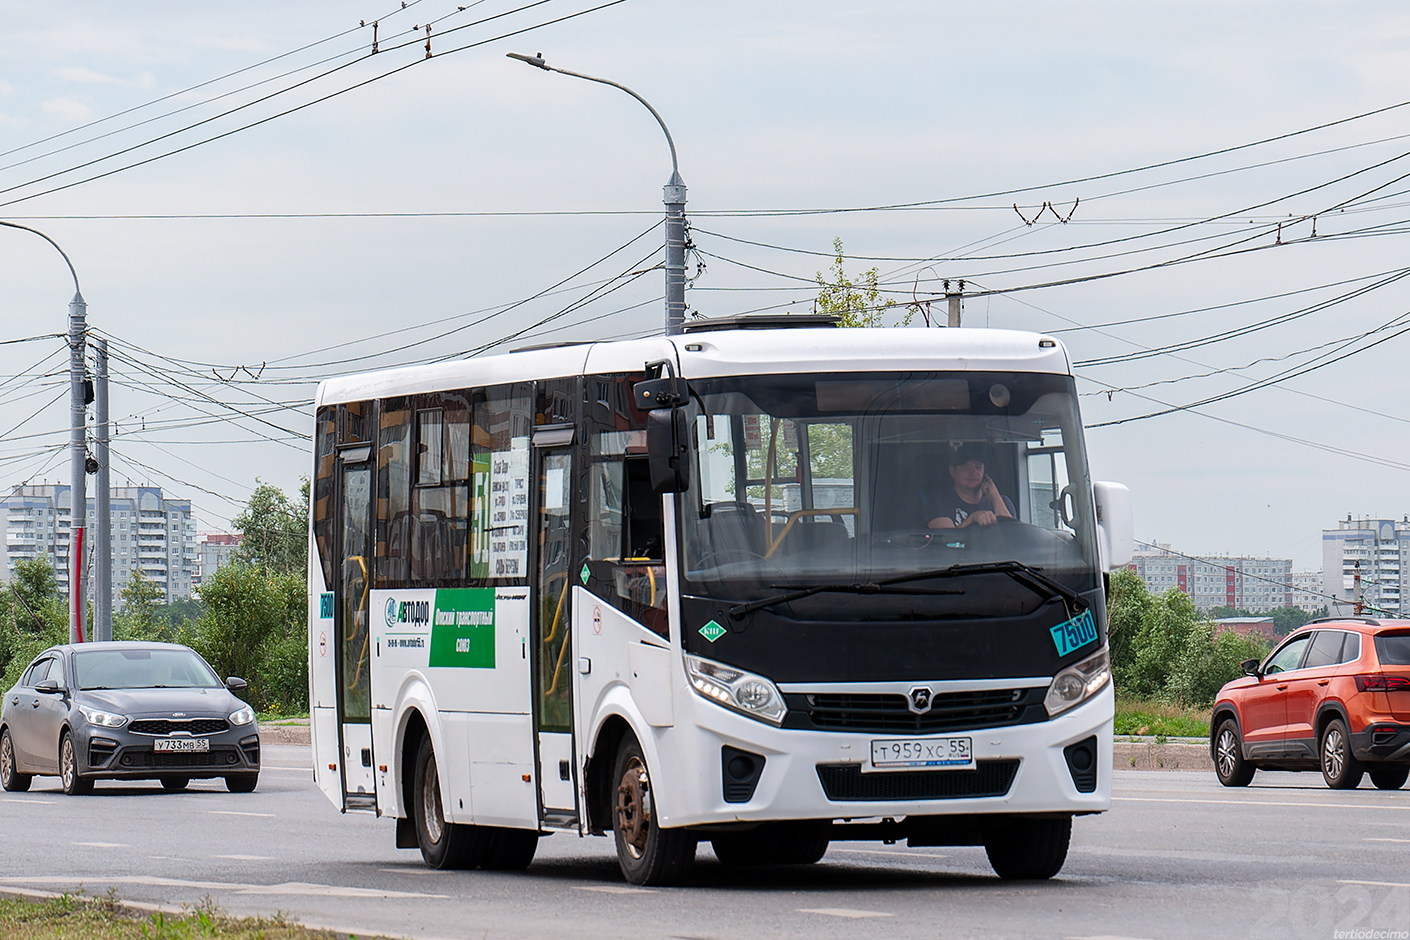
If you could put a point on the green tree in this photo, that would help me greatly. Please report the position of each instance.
(1288, 619)
(254, 626)
(1207, 661)
(136, 619)
(33, 616)
(856, 302)
(274, 530)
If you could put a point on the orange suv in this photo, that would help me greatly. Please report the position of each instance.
(1334, 696)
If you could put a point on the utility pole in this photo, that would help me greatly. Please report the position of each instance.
(672, 194)
(954, 298)
(78, 452)
(103, 517)
(78, 465)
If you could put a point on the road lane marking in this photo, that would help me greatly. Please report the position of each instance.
(11, 799)
(231, 812)
(1376, 884)
(612, 889)
(247, 858)
(292, 888)
(1289, 804)
(1104, 937)
(1385, 840)
(843, 912)
(103, 845)
(912, 854)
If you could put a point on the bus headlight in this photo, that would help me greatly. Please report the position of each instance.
(733, 688)
(1078, 682)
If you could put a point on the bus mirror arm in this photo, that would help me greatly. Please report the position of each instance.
(667, 391)
(668, 450)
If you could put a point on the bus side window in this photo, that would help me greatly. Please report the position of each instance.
(393, 494)
(624, 527)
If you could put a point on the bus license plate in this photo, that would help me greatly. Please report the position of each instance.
(932, 753)
(181, 744)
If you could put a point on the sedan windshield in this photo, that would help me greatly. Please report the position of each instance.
(860, 478)
(143, 669)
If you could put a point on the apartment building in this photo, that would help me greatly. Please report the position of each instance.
(1254, 584)
(150, 533)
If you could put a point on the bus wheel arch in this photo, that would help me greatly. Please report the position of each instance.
(600, 787)
(414, 729)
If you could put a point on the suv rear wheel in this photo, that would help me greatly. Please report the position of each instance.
(11, 780)
(1340, 768)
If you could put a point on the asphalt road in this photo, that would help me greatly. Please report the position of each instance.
(1178, 856)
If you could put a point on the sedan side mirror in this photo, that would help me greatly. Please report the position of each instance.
(1250, 668)
(236, 684)
(48, 686)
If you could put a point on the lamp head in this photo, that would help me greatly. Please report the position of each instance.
(535, 60)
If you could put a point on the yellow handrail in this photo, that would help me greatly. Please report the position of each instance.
(801, 513)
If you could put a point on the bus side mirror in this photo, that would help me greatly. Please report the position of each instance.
(668, 450)
(1116, 535)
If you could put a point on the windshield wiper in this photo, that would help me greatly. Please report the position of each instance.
(1027, 575)
(869, 587)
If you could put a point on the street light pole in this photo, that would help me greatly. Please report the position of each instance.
(78, 454)
(672, 194)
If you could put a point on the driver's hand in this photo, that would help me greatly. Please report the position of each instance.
(982, 517)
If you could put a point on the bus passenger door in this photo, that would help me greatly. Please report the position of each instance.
(353, 656)
(552, 661)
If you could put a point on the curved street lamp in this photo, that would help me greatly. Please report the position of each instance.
(78, 492)
(673, 195)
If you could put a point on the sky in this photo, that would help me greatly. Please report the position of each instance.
(1234, 177)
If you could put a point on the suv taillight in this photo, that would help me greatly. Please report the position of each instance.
(1382, 684)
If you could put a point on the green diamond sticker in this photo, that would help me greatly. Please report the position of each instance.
(712, 631)
(585, 573)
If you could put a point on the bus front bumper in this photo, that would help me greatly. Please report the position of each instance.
(1059, 766)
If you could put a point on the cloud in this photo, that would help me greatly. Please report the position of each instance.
(70, 108)
(6, 88)
(88, 76)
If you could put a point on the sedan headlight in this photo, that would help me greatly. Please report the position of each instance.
(243, 717)
(101, 718)
(734, 688)
(1078, 682)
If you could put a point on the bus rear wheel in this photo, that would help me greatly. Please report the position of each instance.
(443, 845)
(646, 853)
(1028, 849)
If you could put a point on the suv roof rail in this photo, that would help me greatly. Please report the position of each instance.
(1366, 620)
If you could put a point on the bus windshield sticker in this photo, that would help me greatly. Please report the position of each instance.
(585, 573)
(1075, 633)
(462, 628)
(712, 631)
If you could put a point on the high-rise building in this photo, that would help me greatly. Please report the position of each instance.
(213, 551)
(151, 534)
(1254, 584)
(1307, 591)
(1367, 561)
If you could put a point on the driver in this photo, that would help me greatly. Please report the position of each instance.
(973, 499)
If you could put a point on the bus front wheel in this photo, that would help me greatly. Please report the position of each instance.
(647, 854)
(1028, 849)
(443, 845)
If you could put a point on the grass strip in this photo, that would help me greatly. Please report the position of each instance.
(75, 917)
(1149, 717)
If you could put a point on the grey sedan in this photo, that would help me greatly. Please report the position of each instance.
(126, 711)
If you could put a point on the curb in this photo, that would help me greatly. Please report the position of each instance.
(1181, 755)
(295, 733)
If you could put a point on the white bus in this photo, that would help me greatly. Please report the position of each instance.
(710, 587)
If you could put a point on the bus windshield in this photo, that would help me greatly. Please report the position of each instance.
(859, 477)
